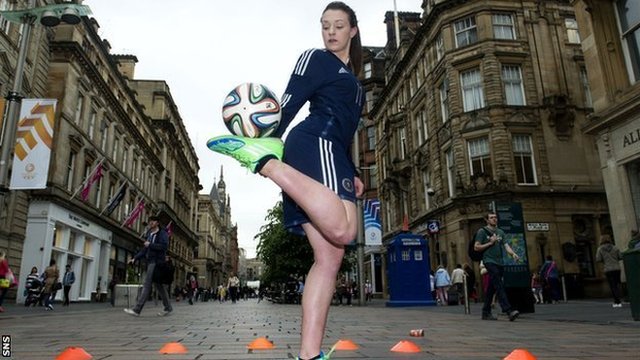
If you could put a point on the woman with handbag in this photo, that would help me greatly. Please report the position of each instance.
(51, 284)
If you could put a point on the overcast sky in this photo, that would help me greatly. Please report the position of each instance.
(204, 48)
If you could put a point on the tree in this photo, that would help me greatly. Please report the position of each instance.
(284, 253)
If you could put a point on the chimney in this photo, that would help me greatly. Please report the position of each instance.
(126, 65)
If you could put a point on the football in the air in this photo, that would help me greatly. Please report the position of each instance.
(251, 110)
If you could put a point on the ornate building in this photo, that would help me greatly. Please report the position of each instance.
(217, 236)
(105, 119)
(485, 102)
(610, 35)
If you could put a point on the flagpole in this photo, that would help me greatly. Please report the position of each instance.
(84, 183)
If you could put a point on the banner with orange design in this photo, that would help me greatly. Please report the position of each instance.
(34, 139)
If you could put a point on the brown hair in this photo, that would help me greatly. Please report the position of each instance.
(605, 239)
(355, 49)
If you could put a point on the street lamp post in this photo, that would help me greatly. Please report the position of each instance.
(67, 12)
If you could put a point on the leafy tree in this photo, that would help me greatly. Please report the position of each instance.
(284, 253)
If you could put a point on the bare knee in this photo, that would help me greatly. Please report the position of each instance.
(343, 235)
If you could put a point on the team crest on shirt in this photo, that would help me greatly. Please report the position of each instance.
(347, 184)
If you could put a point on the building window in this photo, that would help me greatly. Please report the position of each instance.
(367, 70)
(369, 99)
(71, 166)
(421, 126)
(572, 30)
(586, 89)
(444, 100)
(466, 31)
(450, 172)
(78, 114)
(479, 156)
(628, 11)
(116, 146)
(5, 5)
(92, 125)
(513, 88)
(503, 27)
(472, 92)
(440, 47)
(371, 137)
(426, 182)
(104, 134)
(125, 157)
(373, 178)
(523, 160)
(98, 193)
(403, 143)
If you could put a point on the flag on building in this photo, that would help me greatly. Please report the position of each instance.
(34, 139)
(95, 175)
(116, 199)
(372, 225)
(135, 213)
(169, 228)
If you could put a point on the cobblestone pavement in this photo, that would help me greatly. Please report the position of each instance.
(574, 330)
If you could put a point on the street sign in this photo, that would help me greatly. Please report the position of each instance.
(537, 226)
(433, 226)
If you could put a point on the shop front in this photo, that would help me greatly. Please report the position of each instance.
(54, 232)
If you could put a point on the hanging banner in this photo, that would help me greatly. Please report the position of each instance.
(34, 139)
(372, 225)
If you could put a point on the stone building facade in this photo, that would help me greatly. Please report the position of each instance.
(217, 236)
(610, 36)
(485, 102)
(104, 117)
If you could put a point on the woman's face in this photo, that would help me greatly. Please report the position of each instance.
(34, 270)
(337, 32)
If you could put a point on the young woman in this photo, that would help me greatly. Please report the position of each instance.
(316, 172)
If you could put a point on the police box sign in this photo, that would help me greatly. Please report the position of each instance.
(537, 226)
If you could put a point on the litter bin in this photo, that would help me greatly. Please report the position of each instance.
(631, 260)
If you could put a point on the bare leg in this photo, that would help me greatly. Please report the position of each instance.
(318, 290)
(333, 217)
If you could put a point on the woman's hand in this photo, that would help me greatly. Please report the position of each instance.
(359, 186)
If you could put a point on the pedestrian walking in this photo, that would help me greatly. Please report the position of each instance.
(51, 284)
(491, 240)
(609, 255)
(232, 284)
(457, 280)
(536, 287)
(6, 277)
(112, 289)
(551, 280)
(314, 168)
(443, 281)
(68, 279)
(154, 252)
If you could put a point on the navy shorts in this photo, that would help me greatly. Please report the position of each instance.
(325, 161)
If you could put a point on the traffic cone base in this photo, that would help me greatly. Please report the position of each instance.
(173, 348)
(260, 343)
(520, 354)
(406, 346)
(74, 353)
(345, 345)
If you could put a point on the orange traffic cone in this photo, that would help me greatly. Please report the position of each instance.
(260, 343)
(345, 345)
(173, 348)
(406, 346)
(74, 353)
(520, 354)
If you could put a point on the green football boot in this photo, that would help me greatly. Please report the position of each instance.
(248, 151)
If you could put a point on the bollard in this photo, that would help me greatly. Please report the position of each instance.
(564, 289)
(467, 306)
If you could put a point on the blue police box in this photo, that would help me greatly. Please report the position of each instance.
(408, 271)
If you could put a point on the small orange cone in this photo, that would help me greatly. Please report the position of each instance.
(74, 353)
(260, 343)
(406, 346)
(345, 345)
(173, 348)
(520, 354)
